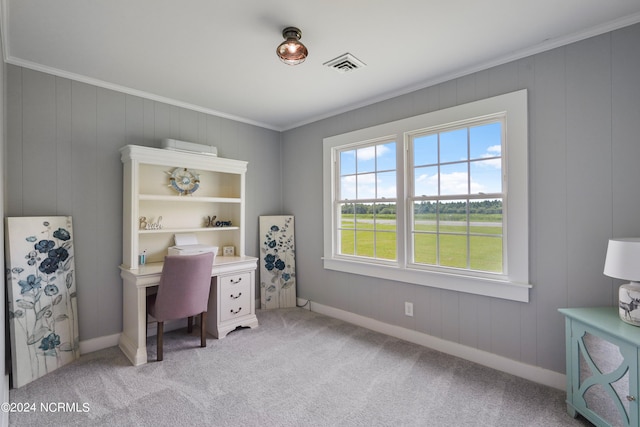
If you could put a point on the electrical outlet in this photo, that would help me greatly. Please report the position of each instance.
(408, 309)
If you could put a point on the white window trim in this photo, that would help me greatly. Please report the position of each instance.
(516, 286)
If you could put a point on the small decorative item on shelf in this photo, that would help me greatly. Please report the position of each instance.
(184, 181)
(147, 224)
(210, 221)
(228, 251)
(143, 258)
(223, 223)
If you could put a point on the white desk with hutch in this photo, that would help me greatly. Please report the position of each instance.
(148, 193)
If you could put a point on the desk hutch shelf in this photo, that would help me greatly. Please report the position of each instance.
(149, 197)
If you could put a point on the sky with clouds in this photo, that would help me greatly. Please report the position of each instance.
(471, 162)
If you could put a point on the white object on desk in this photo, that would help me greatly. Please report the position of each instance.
(183, 239)
(187, 244)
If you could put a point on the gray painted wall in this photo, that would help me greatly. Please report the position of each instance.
(4, 379)
(63, 159)
(584, 105)
(584, 145)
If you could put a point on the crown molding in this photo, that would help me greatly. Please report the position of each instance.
(546, 45)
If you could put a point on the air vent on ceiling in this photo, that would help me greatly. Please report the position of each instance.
(344, 63)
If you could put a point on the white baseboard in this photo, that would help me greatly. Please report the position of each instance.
(95, 344)
(494, 361)
(491, 360)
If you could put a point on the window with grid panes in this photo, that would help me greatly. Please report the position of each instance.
(457, 199)
(439, 199)
(367, 201)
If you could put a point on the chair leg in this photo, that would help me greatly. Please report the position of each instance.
(159, 345)
(203, 329)
(189, 324)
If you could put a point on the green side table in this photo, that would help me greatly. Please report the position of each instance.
(602, 366)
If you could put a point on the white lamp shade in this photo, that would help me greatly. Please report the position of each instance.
(623, 259)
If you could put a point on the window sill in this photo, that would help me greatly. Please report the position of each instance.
(473, 285)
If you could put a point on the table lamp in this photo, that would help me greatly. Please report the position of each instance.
(623, 262)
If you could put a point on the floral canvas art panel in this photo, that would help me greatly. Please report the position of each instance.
(42, 303)
(277, 262)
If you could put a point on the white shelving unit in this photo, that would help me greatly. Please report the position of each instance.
(148, 194)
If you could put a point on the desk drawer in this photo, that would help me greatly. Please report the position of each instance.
(235, 282)
(235, 296)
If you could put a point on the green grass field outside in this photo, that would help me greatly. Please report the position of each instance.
(377, 239)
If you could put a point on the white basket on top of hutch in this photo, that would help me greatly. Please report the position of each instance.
(155, 208)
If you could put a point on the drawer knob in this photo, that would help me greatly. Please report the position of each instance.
(236, 296)
(237, 311)
(236, 281)
(631, 398)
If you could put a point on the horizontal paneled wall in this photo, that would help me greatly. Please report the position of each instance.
(584, 145)
(63, 141)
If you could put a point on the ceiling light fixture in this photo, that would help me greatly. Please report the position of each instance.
(291, 51)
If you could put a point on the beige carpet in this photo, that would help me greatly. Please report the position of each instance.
(298, 368)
